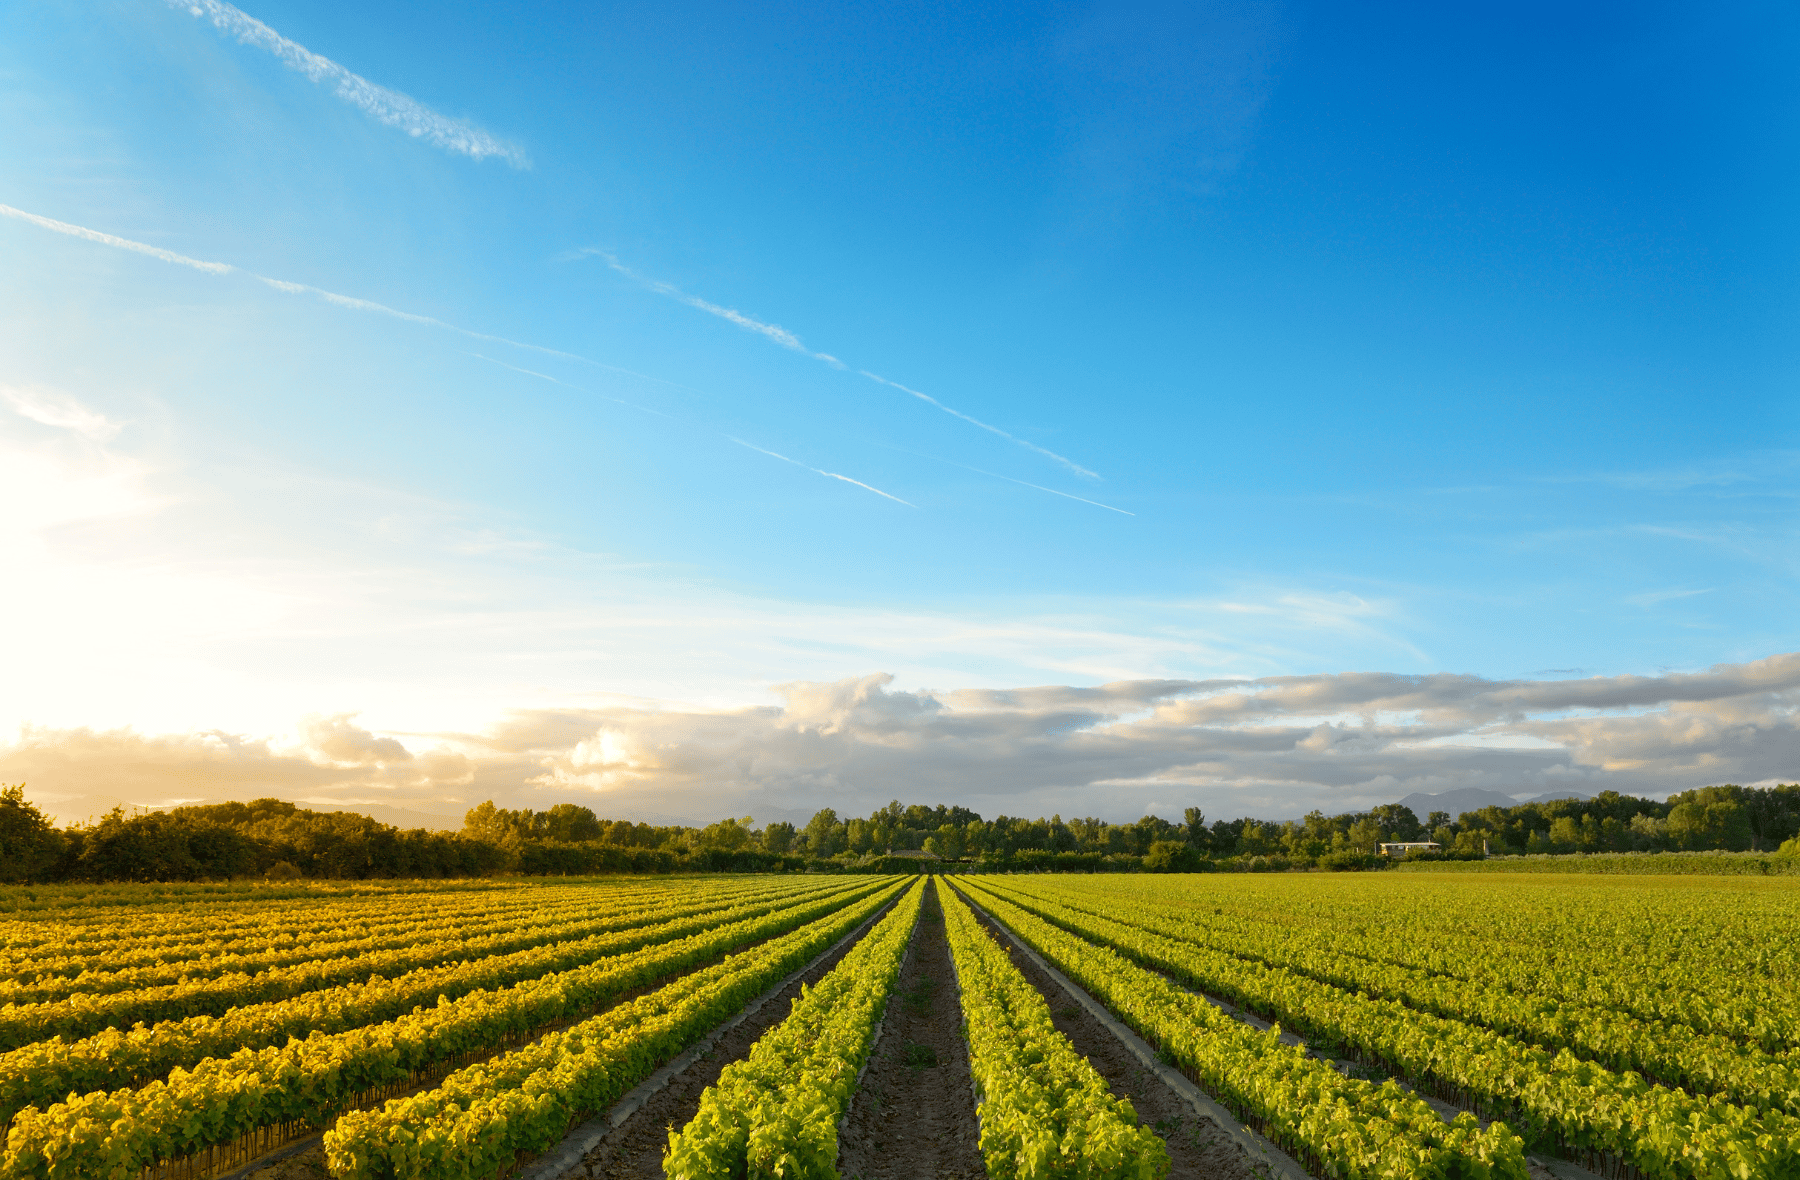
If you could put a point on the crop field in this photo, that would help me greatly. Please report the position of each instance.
(1378, 1026)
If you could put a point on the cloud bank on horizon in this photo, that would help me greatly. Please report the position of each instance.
(1271, 747)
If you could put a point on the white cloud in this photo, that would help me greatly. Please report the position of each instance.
(50, 408)
(333, 741)
(385, 106)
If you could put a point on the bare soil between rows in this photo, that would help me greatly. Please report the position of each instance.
(913, 1116)
(1199, 1149)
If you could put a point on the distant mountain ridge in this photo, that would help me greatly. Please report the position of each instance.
(1474, 799)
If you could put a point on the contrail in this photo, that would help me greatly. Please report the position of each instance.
(378, 102)
(94, 235)
(225, 268)
(1052, 491)
(1077, 468)
(788, 340)
(578, 389)
(816, 471)
(775, 332)
(355, 304)
(646, 409)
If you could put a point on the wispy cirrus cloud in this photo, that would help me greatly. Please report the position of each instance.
(790, 341)
(50, 408)
(385, 106)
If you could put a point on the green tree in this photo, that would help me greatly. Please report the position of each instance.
(1194, 825)
(31, 848)
(570, 823)
(1648, 831)
(500, 826)
(159, 846)
(1365, 834)
(728, 834)
(1399, 822)
(1698, 825)
(1470, 841)
(824, 834)
(778, 837)
(1171, 856)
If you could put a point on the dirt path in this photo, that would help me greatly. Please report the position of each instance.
(913, 1117)
(1198, 1148)
(634, 1150)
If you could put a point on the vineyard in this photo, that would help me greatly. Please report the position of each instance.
(1487, 1027)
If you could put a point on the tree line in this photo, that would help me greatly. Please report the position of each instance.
(271, 838)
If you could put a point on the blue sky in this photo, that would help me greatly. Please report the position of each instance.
(1299, 340)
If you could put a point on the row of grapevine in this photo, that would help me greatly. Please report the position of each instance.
(1045, 1112)
(47, 1071)
(113, 977)
(82, 1016)
(107, 949)
(305, 1082)
(64, 908)
(775, 1113)
(1647, 949)
(480, 1119)
(1674, 1054)
(1580, 1106)
(27, 929)
(1346, 1127)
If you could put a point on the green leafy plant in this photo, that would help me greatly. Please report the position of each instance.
(1045, 1111)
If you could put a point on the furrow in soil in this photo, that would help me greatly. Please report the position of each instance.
(634, 1150)
(914, 1115)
